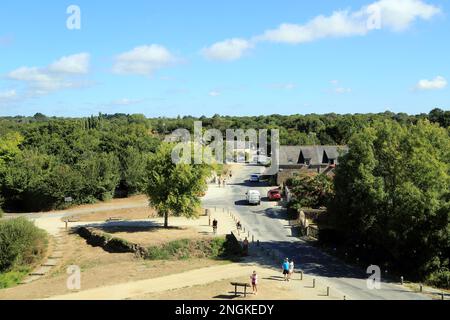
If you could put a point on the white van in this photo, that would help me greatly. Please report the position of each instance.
(253, 197)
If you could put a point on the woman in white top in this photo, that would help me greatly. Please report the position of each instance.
(291, 269)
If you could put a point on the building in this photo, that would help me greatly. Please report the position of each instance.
(295, 160)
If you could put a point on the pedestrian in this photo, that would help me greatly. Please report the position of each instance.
(254, 279)
(245, 246)
(215, 225)
(285, 268)
(238, 225)
(291, 269)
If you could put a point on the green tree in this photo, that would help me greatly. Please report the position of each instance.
(311, 191)
(392, 193)
(175, 189)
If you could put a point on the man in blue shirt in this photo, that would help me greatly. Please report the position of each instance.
(286, 269)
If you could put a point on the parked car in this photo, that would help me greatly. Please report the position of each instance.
(274, 195)
(253, 197)
(254, 178)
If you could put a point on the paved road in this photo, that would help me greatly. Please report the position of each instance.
(268, 223)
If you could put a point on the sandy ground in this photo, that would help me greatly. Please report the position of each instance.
(98, 269)
(271, 287)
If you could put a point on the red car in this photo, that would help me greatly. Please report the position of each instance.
(274, 194)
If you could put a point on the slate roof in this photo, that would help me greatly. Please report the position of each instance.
(290, 155)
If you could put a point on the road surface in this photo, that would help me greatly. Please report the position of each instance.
(269, 224)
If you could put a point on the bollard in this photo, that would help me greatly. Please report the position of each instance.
(66, 223)
(253, 239)
(301, 274)
(442, 296)
(345, 298)
(314, 283)
(328, 291)
(401, 280)
(421, 288)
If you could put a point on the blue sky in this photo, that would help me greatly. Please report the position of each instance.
(229, 57)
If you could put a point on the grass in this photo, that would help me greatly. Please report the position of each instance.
(189, 248)
(12, 278)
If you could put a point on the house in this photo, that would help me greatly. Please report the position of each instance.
(295, 160)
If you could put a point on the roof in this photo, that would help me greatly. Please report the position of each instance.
(290, 155)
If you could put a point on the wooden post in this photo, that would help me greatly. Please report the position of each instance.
(66, 222)
(328, 291)
(301, 274)
(314, 283)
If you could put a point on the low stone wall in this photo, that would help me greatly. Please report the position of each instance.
(104, 240)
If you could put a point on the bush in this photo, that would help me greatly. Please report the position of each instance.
(22, 244)
(440, 279)
(185, 249)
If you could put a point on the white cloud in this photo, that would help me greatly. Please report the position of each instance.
(143, 60)
(434, 84)
(283, 86)
(76, 64)
(395, 15)
(214, 93)
(228, 50)
(57, 76)
(126, 102)
(398, 15)
(8, 95)
(337, 88)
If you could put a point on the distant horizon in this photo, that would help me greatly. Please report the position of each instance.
(223, 115)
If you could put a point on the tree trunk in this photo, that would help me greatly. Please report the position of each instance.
(166, 220)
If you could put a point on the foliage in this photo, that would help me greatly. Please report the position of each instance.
(45, 160)
(175, 188)
(189, 248)
(311, 191)
(392, 194)
(22, 244)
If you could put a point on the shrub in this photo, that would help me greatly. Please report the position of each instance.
(22, 244)
(440, 279)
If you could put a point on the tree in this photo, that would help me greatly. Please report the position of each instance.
(175, 189)
(392, 193)
(311, 191)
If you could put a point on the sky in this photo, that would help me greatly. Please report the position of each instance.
(202, 57)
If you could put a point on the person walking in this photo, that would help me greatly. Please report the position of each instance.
(285, 268)
(245, 246)
(215, 225)
(254, 280)
(291, 269)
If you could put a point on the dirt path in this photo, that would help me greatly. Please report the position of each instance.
(198, 284)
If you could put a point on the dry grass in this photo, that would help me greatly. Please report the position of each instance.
(100, 268)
